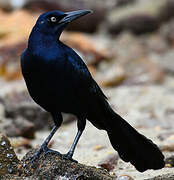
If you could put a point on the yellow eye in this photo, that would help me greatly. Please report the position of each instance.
(53, 19)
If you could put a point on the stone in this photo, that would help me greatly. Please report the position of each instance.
(166, 12)
(124, 177)
(98, 147)
(8, 158)
(124, 2)
(137, 24)
(54, 167)
(140, 17)
(109, 162)
(20, 127)
(166, 135)
(170, 161)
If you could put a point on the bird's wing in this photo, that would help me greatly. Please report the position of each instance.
(85, 79)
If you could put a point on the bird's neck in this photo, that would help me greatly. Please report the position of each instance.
(40, 41)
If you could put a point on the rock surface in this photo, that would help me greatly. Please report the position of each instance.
(8, 158)
(141, 17)
(54, 167)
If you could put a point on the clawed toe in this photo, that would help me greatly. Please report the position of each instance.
(45, 151)
(69, 157)
(51, 152)
(34, 157)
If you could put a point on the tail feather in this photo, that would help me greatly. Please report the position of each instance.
(132, 146)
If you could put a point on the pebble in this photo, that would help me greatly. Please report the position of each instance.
(124, 177)
(170, 161)
(109, 162)
(98, 147)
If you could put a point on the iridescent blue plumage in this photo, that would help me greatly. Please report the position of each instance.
(59, 81)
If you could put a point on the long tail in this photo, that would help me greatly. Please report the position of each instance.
(132, 146)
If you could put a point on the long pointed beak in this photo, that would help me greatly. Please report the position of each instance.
(70, 16)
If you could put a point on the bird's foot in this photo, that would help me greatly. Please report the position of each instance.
(50, 151)
(68, 156)
(36, 155)
(45, 151)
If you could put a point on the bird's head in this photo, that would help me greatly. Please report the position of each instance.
(54, 22)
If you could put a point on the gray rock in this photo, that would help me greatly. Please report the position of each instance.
(166, 12)
(124, 2)
(8, 158)
(170, 161)
(19, 127)
(124, 177)
(141, 17)
(137, 24)
(49, 168)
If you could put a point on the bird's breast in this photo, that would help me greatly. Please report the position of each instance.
(49, 84)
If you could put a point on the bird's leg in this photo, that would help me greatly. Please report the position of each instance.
(81, 123)
(71, 151)
(44, 147)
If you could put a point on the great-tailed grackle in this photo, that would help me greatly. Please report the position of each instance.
(59, 81)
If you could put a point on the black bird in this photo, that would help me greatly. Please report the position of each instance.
(59, 81)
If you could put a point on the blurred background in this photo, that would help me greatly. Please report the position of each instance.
(128, 46)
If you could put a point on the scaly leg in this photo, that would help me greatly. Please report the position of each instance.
(44, 147)
(81, 123)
